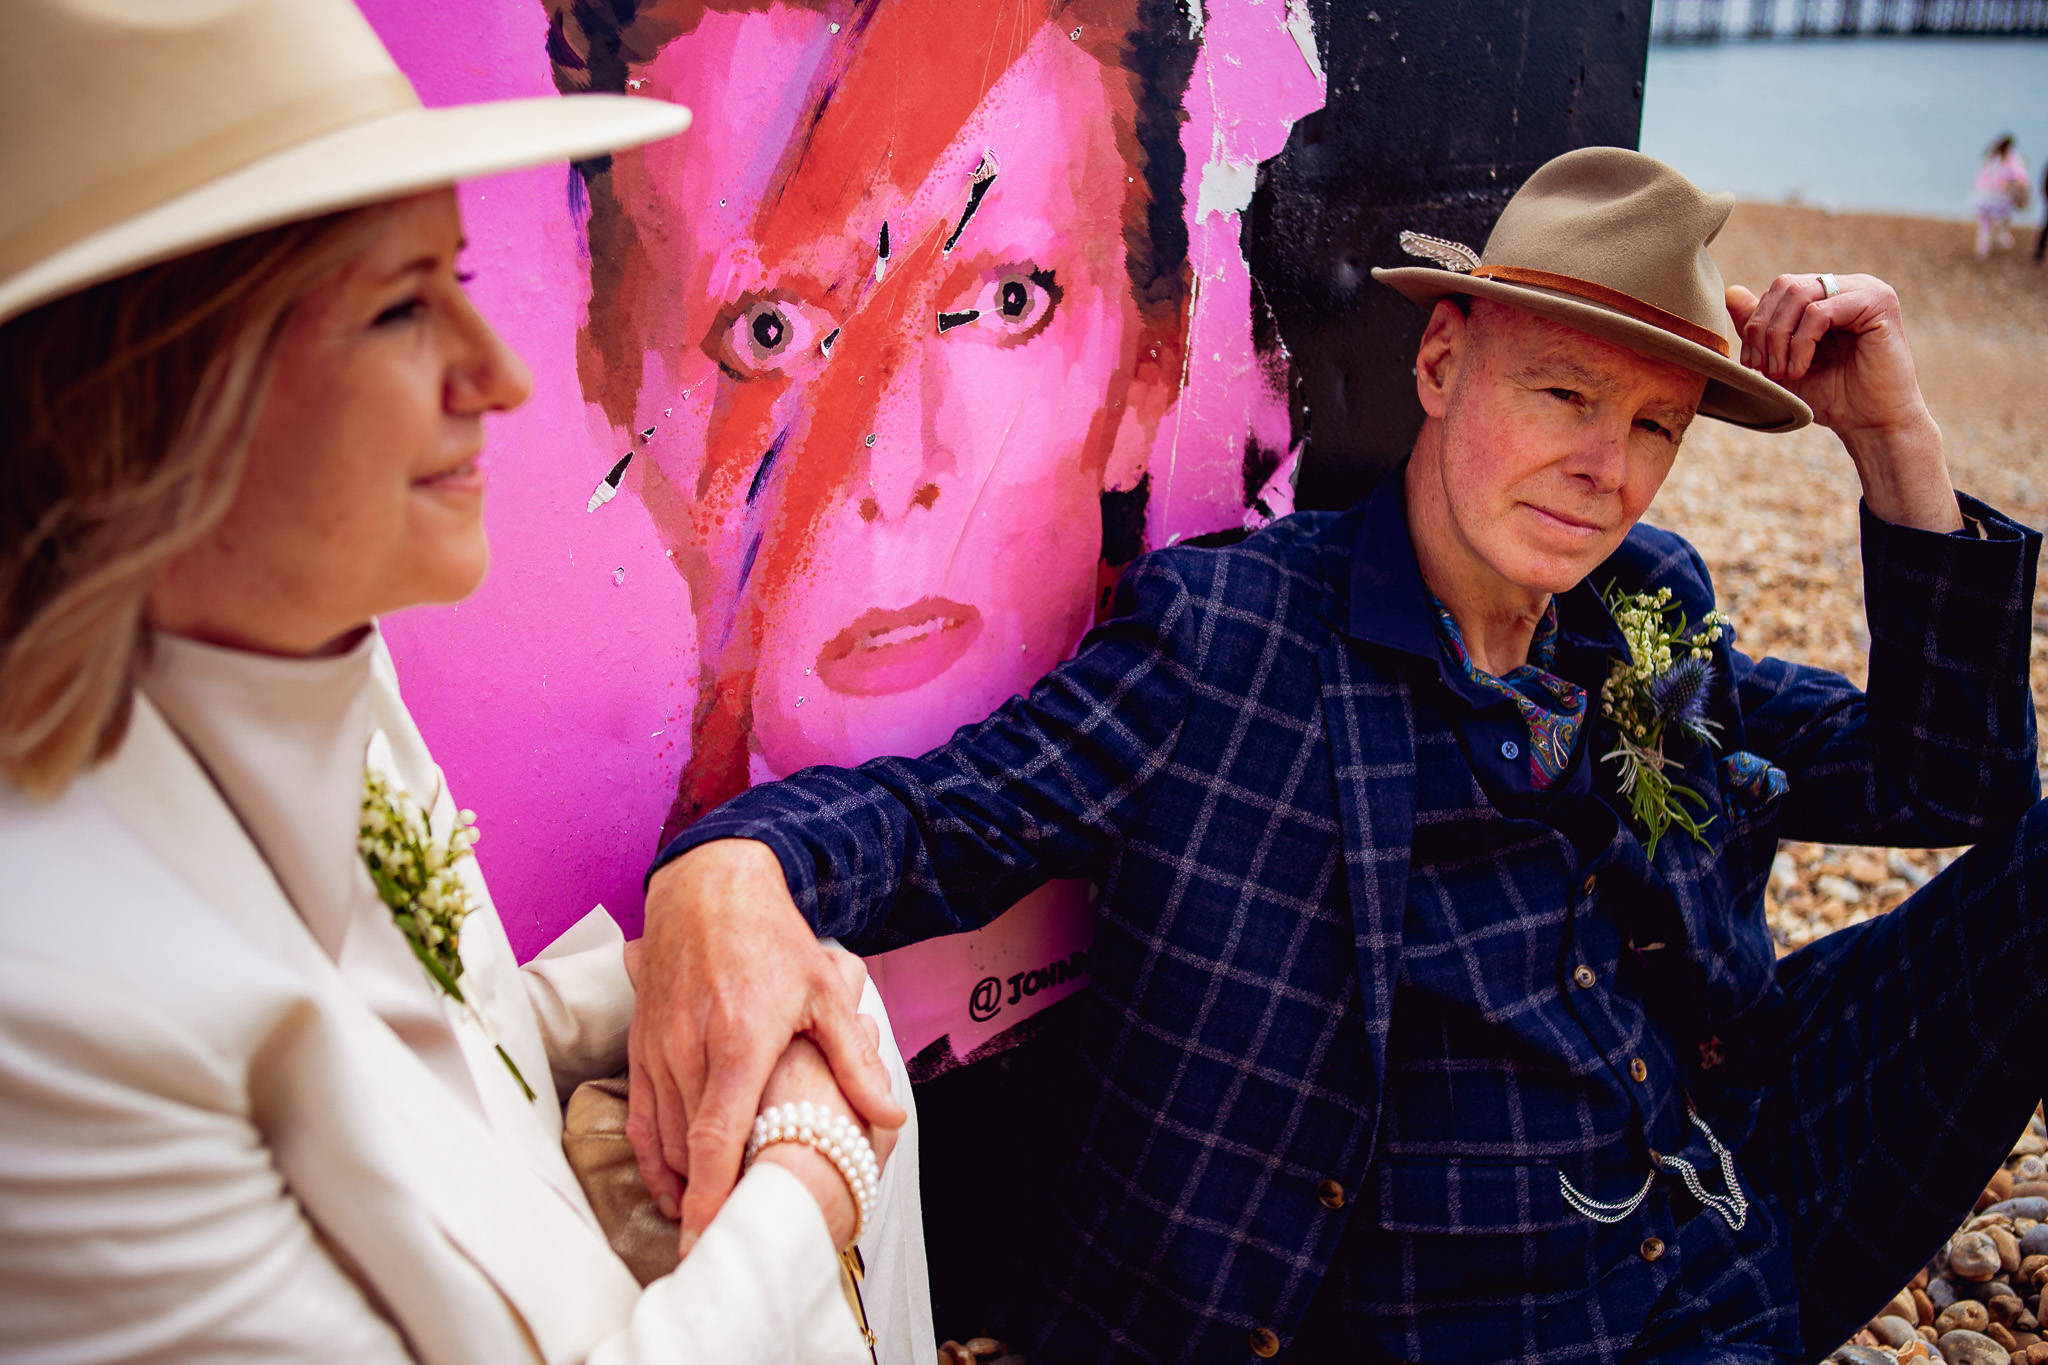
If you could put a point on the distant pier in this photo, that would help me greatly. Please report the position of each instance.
(1706, 21)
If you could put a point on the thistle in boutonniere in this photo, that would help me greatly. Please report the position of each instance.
(1662, 690)
(416, 876)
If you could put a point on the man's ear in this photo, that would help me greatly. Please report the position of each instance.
(1445, 343)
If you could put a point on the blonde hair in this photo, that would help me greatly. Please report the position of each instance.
(125, 413)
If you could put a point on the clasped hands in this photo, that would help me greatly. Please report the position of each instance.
(738, 1006)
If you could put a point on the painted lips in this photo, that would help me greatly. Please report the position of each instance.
(886, 651)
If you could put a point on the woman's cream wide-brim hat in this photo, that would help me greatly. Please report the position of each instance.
(1614, 243)
(139, 130)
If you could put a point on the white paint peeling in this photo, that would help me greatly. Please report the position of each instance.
(1227, 186)
(1301, 26)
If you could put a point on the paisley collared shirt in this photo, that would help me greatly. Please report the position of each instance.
(1552, 708)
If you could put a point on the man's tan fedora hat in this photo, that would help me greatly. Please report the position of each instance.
(139, 130)
(1614, 243)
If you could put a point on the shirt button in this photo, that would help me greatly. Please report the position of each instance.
(1330, 1193)
(1265, 1344)
(1653, 1247)
(1584, 975)
(1636, 1070)
(1509, 749)
(1586, 887)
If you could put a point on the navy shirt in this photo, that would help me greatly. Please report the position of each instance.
(1501, 1082)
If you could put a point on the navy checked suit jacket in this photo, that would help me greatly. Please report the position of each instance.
(1239, 774)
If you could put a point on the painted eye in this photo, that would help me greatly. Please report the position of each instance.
(769, 330)
(770, 334)
(1016, 304)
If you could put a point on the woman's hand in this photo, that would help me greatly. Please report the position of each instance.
(1847, 356)
(803, 1074)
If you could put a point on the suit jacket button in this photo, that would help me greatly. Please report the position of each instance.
(1265, 1345)
(1584, 975)
(1330, 1193)
(1591, 881)
(1636, 1070)
(1652, 1248)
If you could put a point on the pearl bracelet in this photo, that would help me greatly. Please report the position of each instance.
(833, 1136)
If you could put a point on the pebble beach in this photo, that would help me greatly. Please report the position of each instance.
(1775, 518)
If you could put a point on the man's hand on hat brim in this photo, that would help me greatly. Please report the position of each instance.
(1848, 357)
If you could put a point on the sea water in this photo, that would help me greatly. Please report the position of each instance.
(1891, 124)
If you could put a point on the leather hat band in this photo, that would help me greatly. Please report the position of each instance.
(1626, 304)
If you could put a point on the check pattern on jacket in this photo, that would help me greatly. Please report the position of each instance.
(1240, 775)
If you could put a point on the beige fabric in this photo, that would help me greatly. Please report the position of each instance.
(211, 1146)
(1627, 223)
(144, 129)
(594, 1139)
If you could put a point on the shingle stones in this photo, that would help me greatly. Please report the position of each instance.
(1978, 1302)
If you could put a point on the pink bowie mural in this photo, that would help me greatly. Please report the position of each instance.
(851, 403)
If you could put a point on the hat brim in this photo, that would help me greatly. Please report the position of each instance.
(1734, 393)
(381, 158)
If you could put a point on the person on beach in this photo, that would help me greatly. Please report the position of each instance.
(2000, 192)
(272, 1085)
(1435, 1016)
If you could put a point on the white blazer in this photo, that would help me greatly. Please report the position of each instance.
(211, 1148)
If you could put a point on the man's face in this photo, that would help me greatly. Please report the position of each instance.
(1553, 442)
(879, 477)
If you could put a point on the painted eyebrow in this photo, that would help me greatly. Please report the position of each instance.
(984, 176)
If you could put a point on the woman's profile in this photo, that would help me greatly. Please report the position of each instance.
(272, 1083)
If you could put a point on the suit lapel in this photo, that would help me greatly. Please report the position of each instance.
(380, 1131)
(1371, 724)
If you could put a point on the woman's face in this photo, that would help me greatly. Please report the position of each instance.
(362, 493)
(881, 477)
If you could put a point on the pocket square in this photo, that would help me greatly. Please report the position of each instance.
(1752, 783)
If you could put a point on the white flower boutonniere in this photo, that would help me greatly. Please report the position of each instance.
(415, 875)
(1661, 690)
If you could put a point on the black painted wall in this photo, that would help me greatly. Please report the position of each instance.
(1438, 110)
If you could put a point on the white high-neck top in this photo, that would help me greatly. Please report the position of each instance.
(285, 740)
